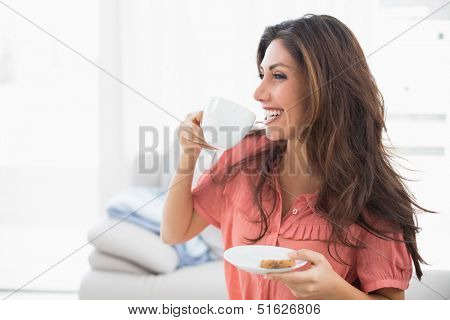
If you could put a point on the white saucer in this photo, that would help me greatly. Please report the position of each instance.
(248, 258)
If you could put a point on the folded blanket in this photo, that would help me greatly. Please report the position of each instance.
(144, 206)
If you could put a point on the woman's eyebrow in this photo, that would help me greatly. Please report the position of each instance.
(276, 65)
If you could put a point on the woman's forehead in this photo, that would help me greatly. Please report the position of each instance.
(276, 53)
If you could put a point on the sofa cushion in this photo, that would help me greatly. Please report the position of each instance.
(133, 243)
(205, 282)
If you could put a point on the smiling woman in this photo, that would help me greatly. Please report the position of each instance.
(318, 178)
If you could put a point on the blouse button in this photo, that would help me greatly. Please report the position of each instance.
(295, 211)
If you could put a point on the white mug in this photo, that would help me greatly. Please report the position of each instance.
(225, 123)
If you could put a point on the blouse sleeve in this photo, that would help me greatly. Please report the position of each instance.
(207, 194)
(383, 263)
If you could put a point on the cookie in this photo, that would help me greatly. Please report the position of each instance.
(277, 264)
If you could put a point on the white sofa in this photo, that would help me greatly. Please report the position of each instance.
(129, 262)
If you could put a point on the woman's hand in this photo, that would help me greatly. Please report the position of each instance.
(318, 282)
(190, 134)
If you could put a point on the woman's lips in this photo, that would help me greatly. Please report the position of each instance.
(272, 108)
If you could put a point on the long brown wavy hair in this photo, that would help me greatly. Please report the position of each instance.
(343, 135)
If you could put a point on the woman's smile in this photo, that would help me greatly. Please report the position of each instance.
(272, 114)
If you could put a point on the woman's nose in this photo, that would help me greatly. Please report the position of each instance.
(261, 93)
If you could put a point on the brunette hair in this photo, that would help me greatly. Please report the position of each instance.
(343, 135)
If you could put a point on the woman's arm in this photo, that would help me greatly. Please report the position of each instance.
(178, 209)
(180, 223)
(345, 290)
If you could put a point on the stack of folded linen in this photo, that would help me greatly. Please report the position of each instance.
(128, 238)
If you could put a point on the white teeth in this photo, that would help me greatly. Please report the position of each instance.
(273, 113)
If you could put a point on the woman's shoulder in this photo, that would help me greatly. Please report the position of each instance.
(371, 225)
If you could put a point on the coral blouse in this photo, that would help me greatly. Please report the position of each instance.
(229, 207)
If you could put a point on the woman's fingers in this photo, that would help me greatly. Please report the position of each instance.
(199, 117)
(292, 277)
(304, 254)
(190, 132)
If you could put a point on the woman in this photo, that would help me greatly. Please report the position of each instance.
(317, 180)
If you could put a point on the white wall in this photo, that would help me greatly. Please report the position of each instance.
(48, 114)
(49, 161)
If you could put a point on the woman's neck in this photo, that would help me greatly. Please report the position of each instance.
(295, 159)
(295, 170)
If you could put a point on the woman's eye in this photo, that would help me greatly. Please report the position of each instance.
(279, 76)
(276, 76)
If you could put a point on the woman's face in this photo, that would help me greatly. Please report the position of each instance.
(281, 92)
